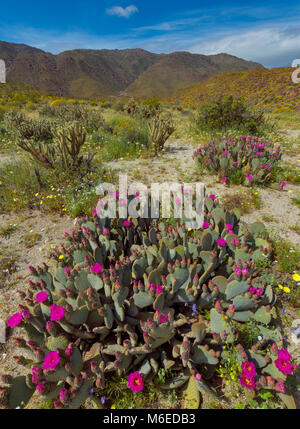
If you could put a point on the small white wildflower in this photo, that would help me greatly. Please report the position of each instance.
(259, 338)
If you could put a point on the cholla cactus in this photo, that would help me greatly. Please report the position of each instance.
(250, 158)
(27, 128)
(160, 129)
(142, 110)
(63, 152)
(69, 141)
(90, 119)
(124, 297)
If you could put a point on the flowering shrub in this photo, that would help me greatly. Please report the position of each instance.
(245, 160)
(129, 129)
(227, 113)
(127, 297)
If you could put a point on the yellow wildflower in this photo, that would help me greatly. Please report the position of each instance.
(61, 257)
(280, 286)
(286, 289)
(296, 277)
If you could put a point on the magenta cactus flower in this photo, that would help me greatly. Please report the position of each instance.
(14, 320)
(135, 382)
(126, 223)
(37, 371)
(248, 369)
(249, 383)
(51, 361)
(163, 318)
(41, 297)
(57, 313)
(96, 269)
(41, 387)
(67, 271)
(159, 289)
(64, 395)
(284, 355)
(284, 366)
(279, 387)
(221, 242)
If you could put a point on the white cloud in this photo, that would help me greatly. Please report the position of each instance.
(269, 46)
(124, 12)
(272, 44)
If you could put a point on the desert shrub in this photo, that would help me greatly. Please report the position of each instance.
(2, 112)
(119, 106)
(27, 128)
(115, 303)
(115, 146)
(230, 113)
(62, 191)
(245, 160)
(129, 129)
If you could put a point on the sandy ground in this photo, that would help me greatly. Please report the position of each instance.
(177, 165)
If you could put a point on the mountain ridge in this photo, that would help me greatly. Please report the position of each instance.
(95, 73)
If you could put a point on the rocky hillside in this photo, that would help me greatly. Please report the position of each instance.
(272, 89)
(96, 73)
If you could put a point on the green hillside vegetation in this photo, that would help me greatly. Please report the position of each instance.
(271, 89)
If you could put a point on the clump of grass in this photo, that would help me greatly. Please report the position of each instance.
(296, 200)
(62, 192)
(267, 218)
(31, 239)
(117, 145)
(117, 394)
(288, 173)
(295, 228)
(7, 230)
(248, 333)
(286, 255)
(244, 200)
(8, 265)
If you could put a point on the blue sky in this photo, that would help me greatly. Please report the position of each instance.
(269, 34)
